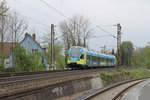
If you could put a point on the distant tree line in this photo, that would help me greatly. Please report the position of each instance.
(135, 57)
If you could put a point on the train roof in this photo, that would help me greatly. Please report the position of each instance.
(92, 52)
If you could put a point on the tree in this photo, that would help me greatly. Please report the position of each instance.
(58, 57)
(113, 52)
(4, 22)
(76, 31)
(27, 61)
(18, 26)
(127, 53)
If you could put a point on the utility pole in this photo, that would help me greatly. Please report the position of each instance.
(51, 65)
(118, 45)
(53, 48)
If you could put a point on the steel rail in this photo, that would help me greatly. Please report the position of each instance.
(15, 78)
(92, 95)
(30, 81)
(27, 73)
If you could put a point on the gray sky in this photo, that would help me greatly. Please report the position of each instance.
(133, 15)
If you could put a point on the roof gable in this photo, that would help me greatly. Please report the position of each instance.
(29, 36)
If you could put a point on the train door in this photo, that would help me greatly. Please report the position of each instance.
(105, 62)
(88, 60)
(91, 60)
(98, 61)
(102, 61)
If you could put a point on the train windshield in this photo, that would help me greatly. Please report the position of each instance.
(74, 54)
(75, 48)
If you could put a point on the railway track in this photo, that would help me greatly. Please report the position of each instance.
(111, 92)
(28, 73)
(12, 74)
(10, 86)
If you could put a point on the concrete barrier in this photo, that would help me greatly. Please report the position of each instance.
(64, 91)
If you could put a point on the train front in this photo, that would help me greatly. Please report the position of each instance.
(76, 58)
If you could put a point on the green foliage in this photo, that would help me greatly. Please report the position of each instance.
(7, 70)
(142, 57)
(127, 53)
(109, 77)
(24, 61)
(60, 62)
(59, 58)
(113, 52)
(3, 30)
(1, 63)
(115, 76)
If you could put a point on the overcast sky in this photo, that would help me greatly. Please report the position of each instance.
(133, 15)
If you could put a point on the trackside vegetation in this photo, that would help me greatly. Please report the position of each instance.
(109, 78)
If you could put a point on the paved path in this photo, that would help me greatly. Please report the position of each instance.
(139, 92)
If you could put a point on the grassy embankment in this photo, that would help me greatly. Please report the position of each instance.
(118, 76)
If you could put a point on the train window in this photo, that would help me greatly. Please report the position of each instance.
(74, 54)
(101, 59)
(88, 58)
(82, 56)
(75, 48)
(95, 58)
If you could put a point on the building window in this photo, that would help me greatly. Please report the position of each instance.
(34, 50)
(28, 41)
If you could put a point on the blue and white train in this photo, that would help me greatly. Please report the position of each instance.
(80, 57)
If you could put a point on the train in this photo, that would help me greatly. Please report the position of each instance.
(82, 58)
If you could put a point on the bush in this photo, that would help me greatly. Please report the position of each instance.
(115, 76)
(9, 70)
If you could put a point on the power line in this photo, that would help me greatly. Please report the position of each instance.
(67, 6)
(39, 12)
(36, 21)
(33, 20)
(101, 36)
(106, 25)
(68, 18)
(107, 32)
(54, 9)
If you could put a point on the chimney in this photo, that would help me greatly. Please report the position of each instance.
(26, 34)
(44, 49)
(33, 36)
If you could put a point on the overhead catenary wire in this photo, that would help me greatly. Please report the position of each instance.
(68, 18)
(37, 11)
(35, 21)
(54, 9)
(106, 25)
(101, 36)
(67, 6)
(107, 32)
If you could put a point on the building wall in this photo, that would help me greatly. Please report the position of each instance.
(30, 45)
(6, 62)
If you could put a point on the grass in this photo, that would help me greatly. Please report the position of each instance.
(117, 76)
